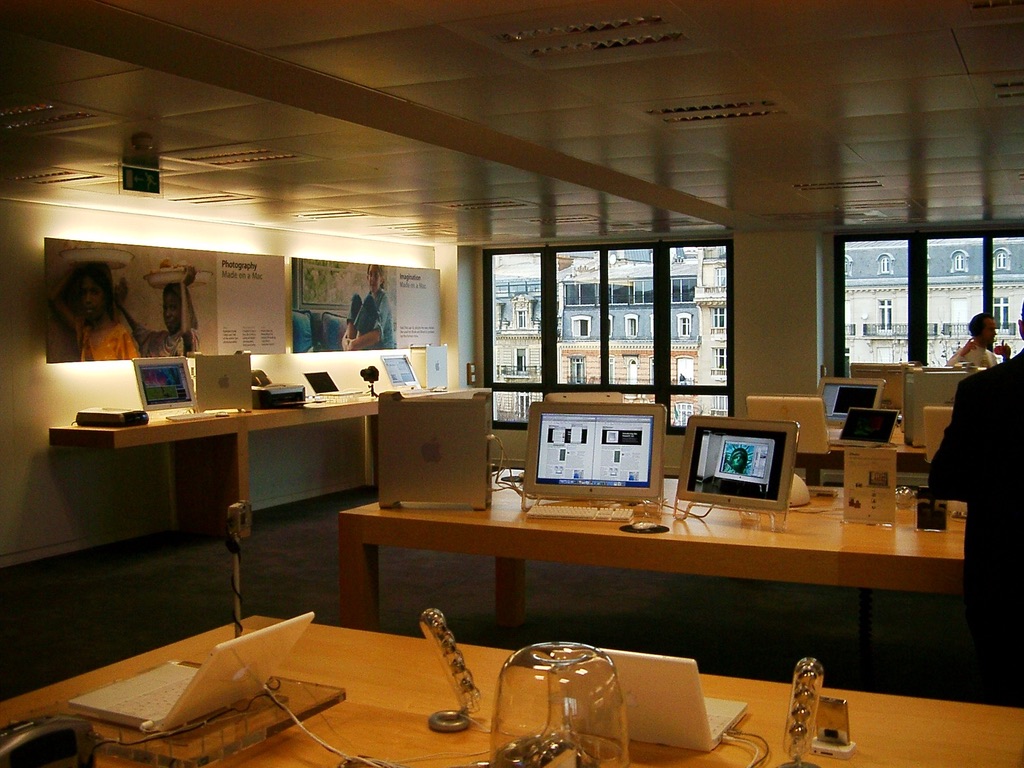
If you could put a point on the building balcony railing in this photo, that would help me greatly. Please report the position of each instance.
(518, 373)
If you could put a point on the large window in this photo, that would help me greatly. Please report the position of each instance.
(911, 298)
(650, 321)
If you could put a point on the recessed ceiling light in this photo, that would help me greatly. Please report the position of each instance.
(57, 177)
(39, 115)
(586, 27)
(484, 205)
(692, 113)
(862, 183)
(322, 215)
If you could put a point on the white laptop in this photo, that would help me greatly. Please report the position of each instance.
(868, 427)
(223, 382)
(806, 410)
(401, 374)
(174, 694)
(434, 449)
(666, 705)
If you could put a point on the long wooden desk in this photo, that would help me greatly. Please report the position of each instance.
(394, 683)
(816, 548)
(211, 456)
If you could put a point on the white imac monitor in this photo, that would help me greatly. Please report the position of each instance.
(164, 383)
(891, 373)
(737, 463)
(841, 394)
(923, 387)
(808, 411)
(595, 451)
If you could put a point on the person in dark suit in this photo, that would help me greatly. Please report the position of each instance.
(986, 429)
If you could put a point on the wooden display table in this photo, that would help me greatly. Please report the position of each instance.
(392, 684)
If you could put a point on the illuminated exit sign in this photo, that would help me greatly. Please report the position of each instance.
(145, 180)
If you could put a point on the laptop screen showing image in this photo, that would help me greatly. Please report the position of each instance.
(399, 371)
(600, 451)
(164, 383)
(737, 462)
(869, 425)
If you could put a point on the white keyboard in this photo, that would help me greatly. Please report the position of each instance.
(585, 512)
(191, 416)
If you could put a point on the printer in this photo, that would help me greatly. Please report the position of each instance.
(278, 395)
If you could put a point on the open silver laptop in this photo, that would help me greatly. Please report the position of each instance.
(174, 694)
(665, 703)
(223, 382)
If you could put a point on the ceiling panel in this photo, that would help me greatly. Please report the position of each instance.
(431, 120)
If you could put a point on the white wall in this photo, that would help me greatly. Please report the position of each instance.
(55, 500)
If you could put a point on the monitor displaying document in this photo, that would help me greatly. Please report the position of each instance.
(742, 463)
(600, 451)
(399, 371)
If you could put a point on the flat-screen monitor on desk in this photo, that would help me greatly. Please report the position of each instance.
(164, 383)
(400, 372)
(841, 394)
(737, 463)
(891, 373)
(595, 451)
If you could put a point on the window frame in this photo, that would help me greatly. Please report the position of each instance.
(665, 320)
(919, 331)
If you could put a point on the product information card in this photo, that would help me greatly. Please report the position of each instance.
(870, 485)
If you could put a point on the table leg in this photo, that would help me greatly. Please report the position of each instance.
(867, 661)
(510, 591)
(358, 577)
(210, 474)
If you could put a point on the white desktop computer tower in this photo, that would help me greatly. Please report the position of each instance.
(430, 362)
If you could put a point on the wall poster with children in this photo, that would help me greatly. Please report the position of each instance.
(116, 302)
